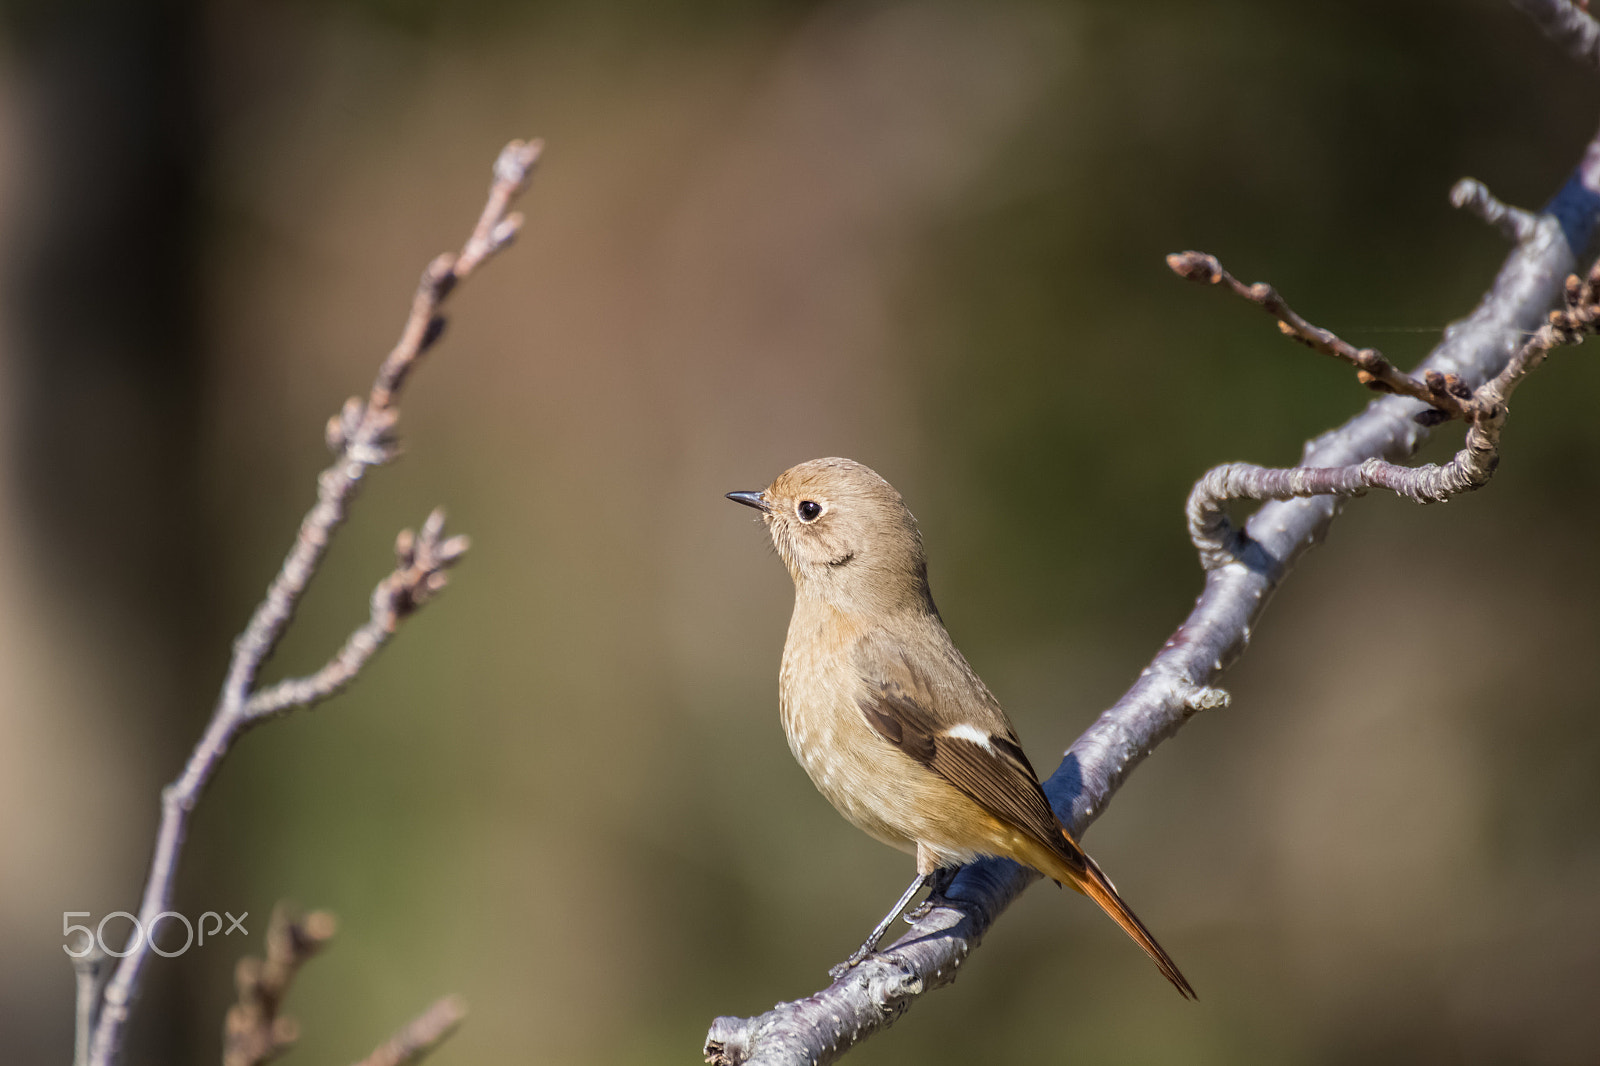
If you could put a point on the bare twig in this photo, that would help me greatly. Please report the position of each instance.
(1568, 25)
(1579, 318)
(87, 970)
(255, 1031)
(1483, 409)
(422, 560)
(420, 1035)
(1474, 197)
(1372, 369)
(1180, 680)
(362, 436)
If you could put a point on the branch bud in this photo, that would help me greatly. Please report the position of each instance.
(1195, 266)
(333, 434)
(433, 528)
(453, 549)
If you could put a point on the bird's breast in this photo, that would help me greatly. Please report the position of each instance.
(875, 786)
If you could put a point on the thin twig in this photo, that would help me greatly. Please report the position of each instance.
(422, 558)
(418, 1037)
(1567, 25)
(87, 969)
(1473, 196)
(362, 436)
(1484, 409)
(1180, 680)
(1567, 325)
(255, 1030)
(1372, 369)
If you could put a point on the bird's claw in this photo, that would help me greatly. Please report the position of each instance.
(862, 953)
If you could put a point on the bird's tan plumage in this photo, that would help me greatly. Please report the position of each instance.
(882, 711)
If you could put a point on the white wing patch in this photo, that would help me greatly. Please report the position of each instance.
(970, 733)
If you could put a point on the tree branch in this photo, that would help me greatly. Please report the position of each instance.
(420, 574)
(1180, 680)
(1372, 369)
(1483, 409)
(254, 1031)
(1474, 197)
(87, 970)
(1568, 25)
(362, 436)
(417, 1039)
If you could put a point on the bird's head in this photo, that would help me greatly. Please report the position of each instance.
(845, 535)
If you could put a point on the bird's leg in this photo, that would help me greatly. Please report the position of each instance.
(871, 943)
(939, 880)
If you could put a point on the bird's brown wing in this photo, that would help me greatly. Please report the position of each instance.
(943, 717)
(953, 726)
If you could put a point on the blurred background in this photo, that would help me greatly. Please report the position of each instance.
(927, 235)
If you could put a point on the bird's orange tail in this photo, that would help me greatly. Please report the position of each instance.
(1097, 886)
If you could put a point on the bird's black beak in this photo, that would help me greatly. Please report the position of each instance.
(749, 499)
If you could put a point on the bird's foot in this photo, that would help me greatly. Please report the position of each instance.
(861, 954)
(934, 879)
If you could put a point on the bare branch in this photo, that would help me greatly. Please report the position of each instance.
(421, 1035)
(1219, 543)
(1473, 196)
(1567, 25)
(1372, 369)
(496, 228)
(1567, 325)
(87, 970)
(362, 436)
(255, 1031)
(423, 559)
(1180, 680)
(1484, 409)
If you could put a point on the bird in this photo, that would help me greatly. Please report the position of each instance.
(892, 725)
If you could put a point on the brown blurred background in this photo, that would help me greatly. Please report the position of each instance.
(926, 235)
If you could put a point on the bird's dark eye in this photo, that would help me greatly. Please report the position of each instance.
(808, 510)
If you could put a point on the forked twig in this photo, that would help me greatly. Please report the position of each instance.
(419, 574)
(362, 436)
(256, 1030)
(1483, 409)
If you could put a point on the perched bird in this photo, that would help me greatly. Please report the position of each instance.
(890, 722)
